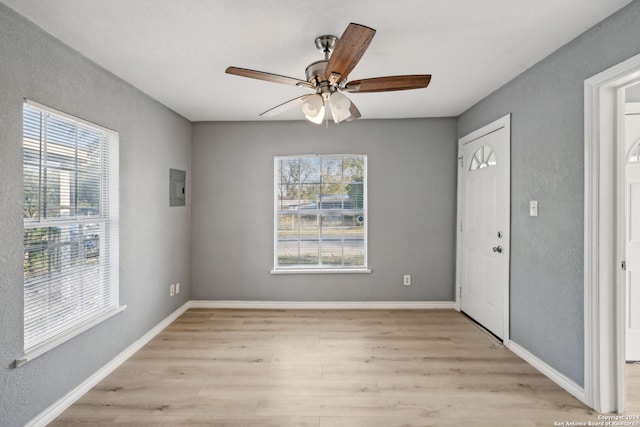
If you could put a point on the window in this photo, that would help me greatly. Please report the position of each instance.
(70, 217)
(484, 157)
(634, 155)
(320, 213)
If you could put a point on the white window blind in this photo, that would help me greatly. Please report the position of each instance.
(320, 213)
(70, 224)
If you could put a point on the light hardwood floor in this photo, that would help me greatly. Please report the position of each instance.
(633, 389)
(281, 368)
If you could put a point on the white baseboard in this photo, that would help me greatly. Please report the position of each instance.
(326, 305)
(555, 376)
(53, 411)
(58, 407)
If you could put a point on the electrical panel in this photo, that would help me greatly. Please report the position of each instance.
(177, 187)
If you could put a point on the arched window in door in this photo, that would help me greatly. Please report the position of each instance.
(484, 157)
(634, 155)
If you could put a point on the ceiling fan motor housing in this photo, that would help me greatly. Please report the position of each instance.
(315, 72)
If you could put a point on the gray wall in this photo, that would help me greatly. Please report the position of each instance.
(154, 246)
(411, 184)
(411, 203)
(547, 152)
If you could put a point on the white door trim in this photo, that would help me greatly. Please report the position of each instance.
(626, 171)
(503, 122)
(603, 301)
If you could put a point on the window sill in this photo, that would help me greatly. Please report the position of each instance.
(66, 336)
(322, 271)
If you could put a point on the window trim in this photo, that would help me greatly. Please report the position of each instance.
(345, 270)
(70, 333)
(113, 220)
(313, 269)
(72, 117)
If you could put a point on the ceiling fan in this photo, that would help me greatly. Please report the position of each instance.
(328, 78)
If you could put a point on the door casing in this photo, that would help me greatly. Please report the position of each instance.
(604, 299)
(503, 122)
(632, 112)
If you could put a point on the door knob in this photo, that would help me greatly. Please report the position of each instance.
(497, 249)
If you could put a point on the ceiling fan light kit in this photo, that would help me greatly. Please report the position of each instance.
(328, 78)
(339, 106)
(339, 102)
(312, 105)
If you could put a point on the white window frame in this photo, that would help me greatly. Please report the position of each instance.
(111, 220)
(315, 269)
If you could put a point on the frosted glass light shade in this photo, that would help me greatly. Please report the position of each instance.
(312, 106)
(340, 105)
(318, 118)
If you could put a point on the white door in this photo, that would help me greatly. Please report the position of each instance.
(483, 233)
(632, 252)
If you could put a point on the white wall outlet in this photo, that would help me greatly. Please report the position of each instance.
(533, 208)
(407, 280)
(172, 290)
(177, 288)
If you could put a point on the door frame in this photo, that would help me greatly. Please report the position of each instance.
(632, 108)
(604, 301)
(503, 122)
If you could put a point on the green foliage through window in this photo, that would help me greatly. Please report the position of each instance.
(321, 211)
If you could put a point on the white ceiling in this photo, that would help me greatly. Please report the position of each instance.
(176, 51)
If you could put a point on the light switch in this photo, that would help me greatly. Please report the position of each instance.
(533, 208)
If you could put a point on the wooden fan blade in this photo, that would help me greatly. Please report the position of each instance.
(295, 102)
(389, 83)
(348, 51)
(270, 77)
(355, 113)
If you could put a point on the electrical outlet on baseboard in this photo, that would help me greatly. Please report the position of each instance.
(172, 290)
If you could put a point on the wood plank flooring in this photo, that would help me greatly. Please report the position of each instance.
(351, 368)
(632, 375)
